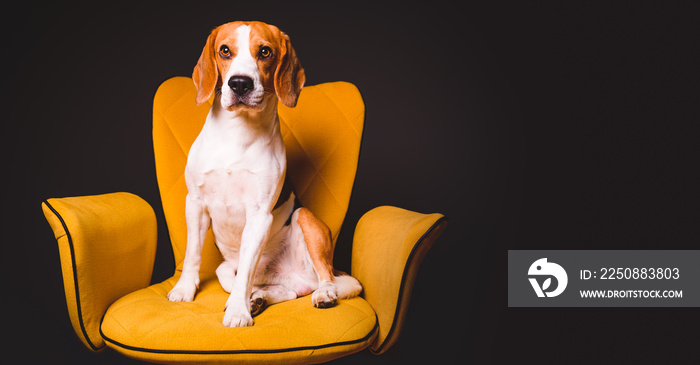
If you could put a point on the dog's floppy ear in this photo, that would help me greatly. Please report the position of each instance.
(289, 76)
(206, 74)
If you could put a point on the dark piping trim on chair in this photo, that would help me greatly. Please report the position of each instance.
(409, 263)
(75, 277)
(232, 352)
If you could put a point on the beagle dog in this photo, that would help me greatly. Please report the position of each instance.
(272, 250)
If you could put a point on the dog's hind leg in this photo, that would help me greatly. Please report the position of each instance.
(226, 272)
(348, 286)
(331, 284)
(268, 295)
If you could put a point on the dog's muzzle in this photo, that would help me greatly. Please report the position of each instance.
(241, 85)
(242, 93)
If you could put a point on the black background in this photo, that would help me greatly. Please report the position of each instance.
(531, 125)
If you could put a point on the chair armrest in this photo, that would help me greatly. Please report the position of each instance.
(389, 246)
(107, 246)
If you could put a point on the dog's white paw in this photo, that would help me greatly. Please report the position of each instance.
(237, 314)
(183, 291)
(237, 319)
(325, 296)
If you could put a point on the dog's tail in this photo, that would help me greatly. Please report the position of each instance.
(347, 286)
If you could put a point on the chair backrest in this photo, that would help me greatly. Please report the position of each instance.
(322, 135)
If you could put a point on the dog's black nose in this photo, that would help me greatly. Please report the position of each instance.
(240, 84)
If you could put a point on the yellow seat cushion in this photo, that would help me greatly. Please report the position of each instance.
(145, 325)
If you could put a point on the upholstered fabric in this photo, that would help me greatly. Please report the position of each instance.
(107, 245)
(177, 121)
(388, 248)
(147, 326)
(323, 135)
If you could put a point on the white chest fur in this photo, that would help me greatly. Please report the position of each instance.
(235, 168)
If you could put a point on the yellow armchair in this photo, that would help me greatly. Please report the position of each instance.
(107, 249)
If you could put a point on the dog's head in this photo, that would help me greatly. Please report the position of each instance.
(246, 61)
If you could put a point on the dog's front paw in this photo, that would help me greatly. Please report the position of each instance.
(325, 296)
(237, 314)
(237, 319)
(182, 292)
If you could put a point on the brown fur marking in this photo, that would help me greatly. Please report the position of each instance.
(318, 242)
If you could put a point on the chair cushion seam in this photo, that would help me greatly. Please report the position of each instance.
(342, 112)
(247, 351)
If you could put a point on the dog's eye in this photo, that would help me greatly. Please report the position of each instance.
(265, 52)
(224, 51)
